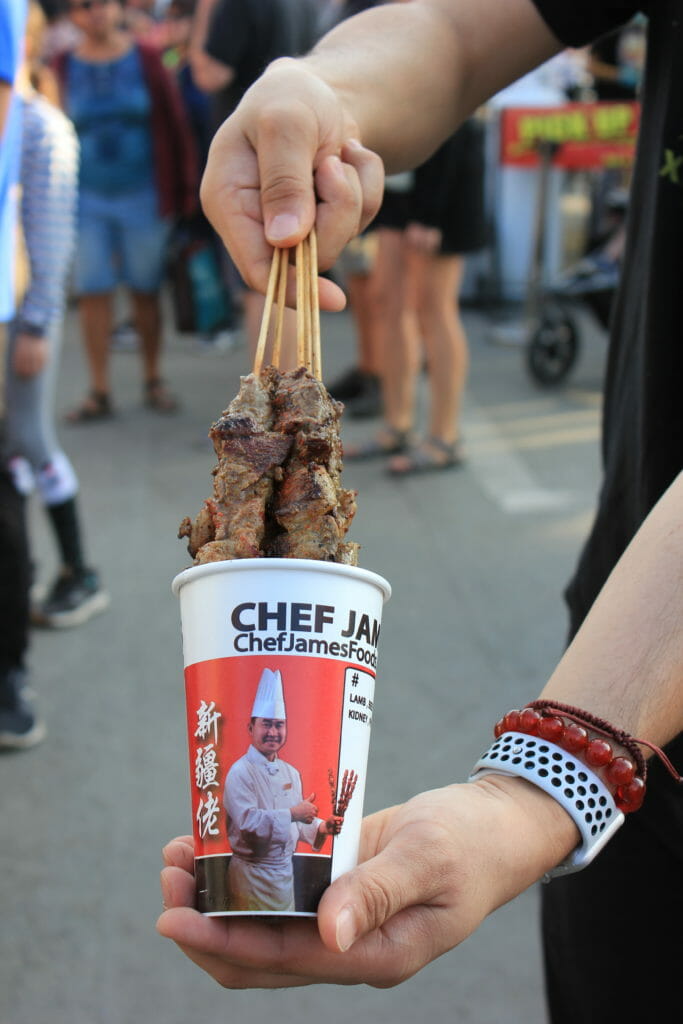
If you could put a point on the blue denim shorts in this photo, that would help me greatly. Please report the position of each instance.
(121, 239)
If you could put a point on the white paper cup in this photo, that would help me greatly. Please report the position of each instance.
(268, 641)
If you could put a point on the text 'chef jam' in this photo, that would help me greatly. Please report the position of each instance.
(284, 621)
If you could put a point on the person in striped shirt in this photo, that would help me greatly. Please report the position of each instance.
(49, 179)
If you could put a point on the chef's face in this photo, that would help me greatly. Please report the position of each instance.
(268, 735)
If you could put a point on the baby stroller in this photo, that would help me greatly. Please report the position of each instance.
(553, 344)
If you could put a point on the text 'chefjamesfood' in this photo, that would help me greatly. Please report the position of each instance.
(281, 622)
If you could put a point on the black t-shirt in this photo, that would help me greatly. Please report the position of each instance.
(247, 36)
(642, 454)
(643, 411)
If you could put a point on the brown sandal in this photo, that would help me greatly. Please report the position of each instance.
(96, 406)
(389, 441)
(159, 398)
(429, 456)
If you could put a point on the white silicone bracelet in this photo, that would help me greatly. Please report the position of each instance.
(580, 791)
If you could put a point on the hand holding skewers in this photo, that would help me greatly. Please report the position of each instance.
(333, 826)
(335, 182)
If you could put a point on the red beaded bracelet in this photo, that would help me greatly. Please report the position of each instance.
(625, 776)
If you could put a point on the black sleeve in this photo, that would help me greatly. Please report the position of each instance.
(578, 22)
(228, 34)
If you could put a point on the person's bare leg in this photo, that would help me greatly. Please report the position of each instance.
(366, 309)
(416, 267)
(442, 331)
(398, 346)
(358, 293)
(446, 344)
(95, 314)
(147, 313)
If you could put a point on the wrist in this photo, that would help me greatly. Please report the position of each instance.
(561, 775)
(536, 832)
(333, 90)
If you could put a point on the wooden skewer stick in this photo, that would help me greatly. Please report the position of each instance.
(316, 367)
(300, 285)
(307, 306)
(280, 312)
(267, 307)
(302, 302)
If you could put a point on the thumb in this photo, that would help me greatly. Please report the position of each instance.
(287, 195)
(366, 898)
(311, 798)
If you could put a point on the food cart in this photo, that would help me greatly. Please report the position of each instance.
(595, 137)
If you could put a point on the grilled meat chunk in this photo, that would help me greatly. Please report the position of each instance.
(277, 483)
(310, 505)
(200, 532)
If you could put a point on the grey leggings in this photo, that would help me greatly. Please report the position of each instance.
(31, 443)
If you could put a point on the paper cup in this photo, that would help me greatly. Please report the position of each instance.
(280, 658)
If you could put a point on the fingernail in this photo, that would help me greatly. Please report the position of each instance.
(164, 893)
(282, 226)
(346, 928)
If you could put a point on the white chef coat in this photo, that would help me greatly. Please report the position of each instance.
(258, 795)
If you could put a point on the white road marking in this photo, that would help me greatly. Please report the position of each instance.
(493, 447)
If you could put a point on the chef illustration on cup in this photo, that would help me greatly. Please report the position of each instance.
(266, 810)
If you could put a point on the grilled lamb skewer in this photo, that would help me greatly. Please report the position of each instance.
(347, 788)
(277, 486)
(340, 804)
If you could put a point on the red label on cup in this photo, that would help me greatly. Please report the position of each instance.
(271, 780)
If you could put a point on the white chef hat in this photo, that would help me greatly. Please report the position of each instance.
(269, 701)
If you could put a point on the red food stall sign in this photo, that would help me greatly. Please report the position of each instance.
(588, 136)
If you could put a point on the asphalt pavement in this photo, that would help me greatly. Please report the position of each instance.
(477, 558)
